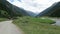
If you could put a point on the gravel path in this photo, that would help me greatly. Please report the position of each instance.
(7, 27)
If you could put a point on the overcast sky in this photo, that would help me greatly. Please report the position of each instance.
(35, 6)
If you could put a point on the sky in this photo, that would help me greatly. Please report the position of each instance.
(35, 6)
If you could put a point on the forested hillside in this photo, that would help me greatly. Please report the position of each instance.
(9, 10)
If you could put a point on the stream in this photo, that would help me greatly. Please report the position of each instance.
(57, 21)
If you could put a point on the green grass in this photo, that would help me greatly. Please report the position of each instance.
(33, 19)
(31, 25)
(3, 19)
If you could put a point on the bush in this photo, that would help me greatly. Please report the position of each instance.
(4, 13)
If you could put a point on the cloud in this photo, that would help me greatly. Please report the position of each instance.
(35, 6)
(19, 0)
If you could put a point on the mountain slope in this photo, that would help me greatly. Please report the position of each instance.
(53, 10)
(12, 9)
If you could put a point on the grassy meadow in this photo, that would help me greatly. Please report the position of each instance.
(32, 25)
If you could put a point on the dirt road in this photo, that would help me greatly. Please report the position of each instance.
(7, 27)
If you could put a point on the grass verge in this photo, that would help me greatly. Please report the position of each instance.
(3, 19)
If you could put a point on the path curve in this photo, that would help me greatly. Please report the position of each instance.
(7, 27)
